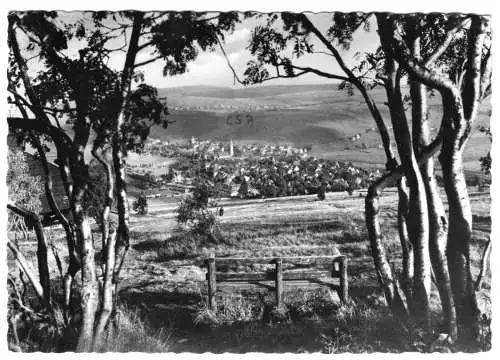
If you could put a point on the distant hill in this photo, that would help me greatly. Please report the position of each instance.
(337, 125)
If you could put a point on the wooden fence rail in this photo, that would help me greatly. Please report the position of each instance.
(279, 275)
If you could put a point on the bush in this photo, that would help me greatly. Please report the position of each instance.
(201, 215)
(23, 189)
(141, 205)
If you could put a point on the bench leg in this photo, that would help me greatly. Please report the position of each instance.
(344, 295)
(212, 287)
(279, 283)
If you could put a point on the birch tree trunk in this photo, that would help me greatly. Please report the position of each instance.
(389, 284)
(108, 201)
(418, 224)
(406, 246)
(438, 224)
(462, 109)
(459, 233)
(90, 289)
(43, 267)
(122, 242)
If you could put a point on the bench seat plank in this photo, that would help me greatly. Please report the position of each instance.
(294, 260)
(271, 275)
(263, 287)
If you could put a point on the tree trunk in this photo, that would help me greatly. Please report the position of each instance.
(460, 104)
(406, 246)
(386, 279)
(485, 265)
(43, 265)
(74, 261)
(27, 270)
(90, 288)
(122, 242)
(418, 223)
(108, 202)
(438, 224)
(108, 294)
(459, 234)
(41, 253)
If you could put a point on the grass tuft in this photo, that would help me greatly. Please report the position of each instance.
(131, 333)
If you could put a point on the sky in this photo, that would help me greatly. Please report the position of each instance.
(211, 68)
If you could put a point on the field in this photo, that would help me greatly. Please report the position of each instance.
(319, 115)
(163, 278)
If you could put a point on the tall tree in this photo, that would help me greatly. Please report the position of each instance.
(461, 95)
(99, 100)
(269, 44)
(446, 50)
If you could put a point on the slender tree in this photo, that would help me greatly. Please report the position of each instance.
(461, 95)
(446, 50)
(92, 97)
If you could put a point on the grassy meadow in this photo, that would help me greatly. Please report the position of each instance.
(164, 279)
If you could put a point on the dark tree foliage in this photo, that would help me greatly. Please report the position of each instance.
(486, 160)
(141, 205)
(74, 101)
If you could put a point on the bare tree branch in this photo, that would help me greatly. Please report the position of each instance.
(148, 61)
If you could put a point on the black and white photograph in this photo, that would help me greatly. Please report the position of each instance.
(203, 180)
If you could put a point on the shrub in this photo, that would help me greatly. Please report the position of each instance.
(94, 197)
(24, 190)
(201, 215)
(230, 309)
(141, 205)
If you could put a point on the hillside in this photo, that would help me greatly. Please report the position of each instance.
(299, 115)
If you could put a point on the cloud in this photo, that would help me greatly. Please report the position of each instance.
(238, 35)
(211, 64)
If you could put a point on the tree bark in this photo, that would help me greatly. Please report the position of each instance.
(90, 288)
(406, 246)
(108, 294)
(485, 264)
(74, 261)
(418, 224)
(459, 234)
(462, 109)
(389, 285)
(438, 224)
(122, 242)
(438, 232)
(108, 202)
(459, 108)
(26, 268)
(43, 265)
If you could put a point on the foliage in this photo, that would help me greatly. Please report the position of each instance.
(95, 195)
(79, 87)
(24, 190)
(196, 211)
(141, 205)
(486, 160)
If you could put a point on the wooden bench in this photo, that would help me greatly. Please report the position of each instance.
(278, 275)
